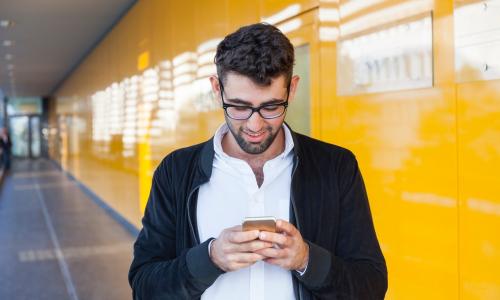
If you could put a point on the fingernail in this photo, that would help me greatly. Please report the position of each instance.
(262, 235)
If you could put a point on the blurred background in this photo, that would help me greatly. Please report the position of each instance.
(95, 93)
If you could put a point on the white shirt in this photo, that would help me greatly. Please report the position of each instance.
(233, 194)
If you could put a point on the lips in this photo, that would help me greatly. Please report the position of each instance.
(255, 137)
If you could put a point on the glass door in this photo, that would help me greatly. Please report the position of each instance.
(25, 135)
(299, 113)
(35, 136)
(19, 130)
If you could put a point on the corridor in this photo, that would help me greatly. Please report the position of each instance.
(55, 241)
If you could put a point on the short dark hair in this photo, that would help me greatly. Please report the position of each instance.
(259, 51)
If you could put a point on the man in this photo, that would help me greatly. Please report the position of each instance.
(192, 245)
(6, 146)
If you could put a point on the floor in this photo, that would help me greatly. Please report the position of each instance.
(55, 242)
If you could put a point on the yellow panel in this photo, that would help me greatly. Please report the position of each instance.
(479, 178)
(210, 20)
(182, 26)
(159, 19)
(144, 10)
(406, 146)
(126, 34)
(241, 12)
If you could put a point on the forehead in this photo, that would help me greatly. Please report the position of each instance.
(243, 88)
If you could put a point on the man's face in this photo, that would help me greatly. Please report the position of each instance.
(256, 134)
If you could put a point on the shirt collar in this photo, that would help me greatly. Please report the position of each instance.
(223, 129)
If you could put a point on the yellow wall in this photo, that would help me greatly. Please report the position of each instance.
(429, 156)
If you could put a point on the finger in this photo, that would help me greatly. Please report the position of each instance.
(238, 266)
(275, 238)
(253, 246)
(248, 258)
(242, 236)
(284, 226)
(277, 262)
(272, 253)
(236, 228)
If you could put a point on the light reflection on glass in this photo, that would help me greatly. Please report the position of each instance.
(185, 68)
(290, 26)
(328, 34)
(429, 199)
(484, 206)
(183, 79)
(388, 58)
(329, 18)
(129, 139)
(288, 12)
(183, 58)
(204, 101)
(166, 116)
(380, 17)
(100, 122)
(142, 107)
(206, 71)
(116, 109)
(348, 8)
(149, 87)
(206, 58)
(328, 15)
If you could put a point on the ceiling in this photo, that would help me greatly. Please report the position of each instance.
(49, 39)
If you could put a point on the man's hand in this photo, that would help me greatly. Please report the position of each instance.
(234, 249)
(292, 252)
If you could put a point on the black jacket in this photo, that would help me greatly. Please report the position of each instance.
(328, 205)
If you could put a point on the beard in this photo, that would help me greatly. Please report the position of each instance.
(252, 148)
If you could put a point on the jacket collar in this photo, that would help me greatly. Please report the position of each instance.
(207, 157)
(296, 145)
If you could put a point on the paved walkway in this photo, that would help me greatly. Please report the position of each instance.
(55, 242)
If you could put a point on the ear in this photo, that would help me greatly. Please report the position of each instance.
(294, 82)
(214, 82)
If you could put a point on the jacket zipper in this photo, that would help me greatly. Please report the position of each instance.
(292, 200)
(196, 239)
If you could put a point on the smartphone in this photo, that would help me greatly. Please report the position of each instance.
(260, 223)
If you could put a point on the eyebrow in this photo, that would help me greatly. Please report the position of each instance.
(247, 103)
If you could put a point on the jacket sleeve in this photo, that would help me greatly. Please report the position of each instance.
(356, 269)
(157, 270)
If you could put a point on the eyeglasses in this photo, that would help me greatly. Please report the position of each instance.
(243, 112)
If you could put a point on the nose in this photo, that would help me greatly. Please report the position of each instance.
(255, 122)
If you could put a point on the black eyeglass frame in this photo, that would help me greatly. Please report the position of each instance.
(225, 105)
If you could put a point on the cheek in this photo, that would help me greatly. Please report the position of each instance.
(275, 124)
(233, 124)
